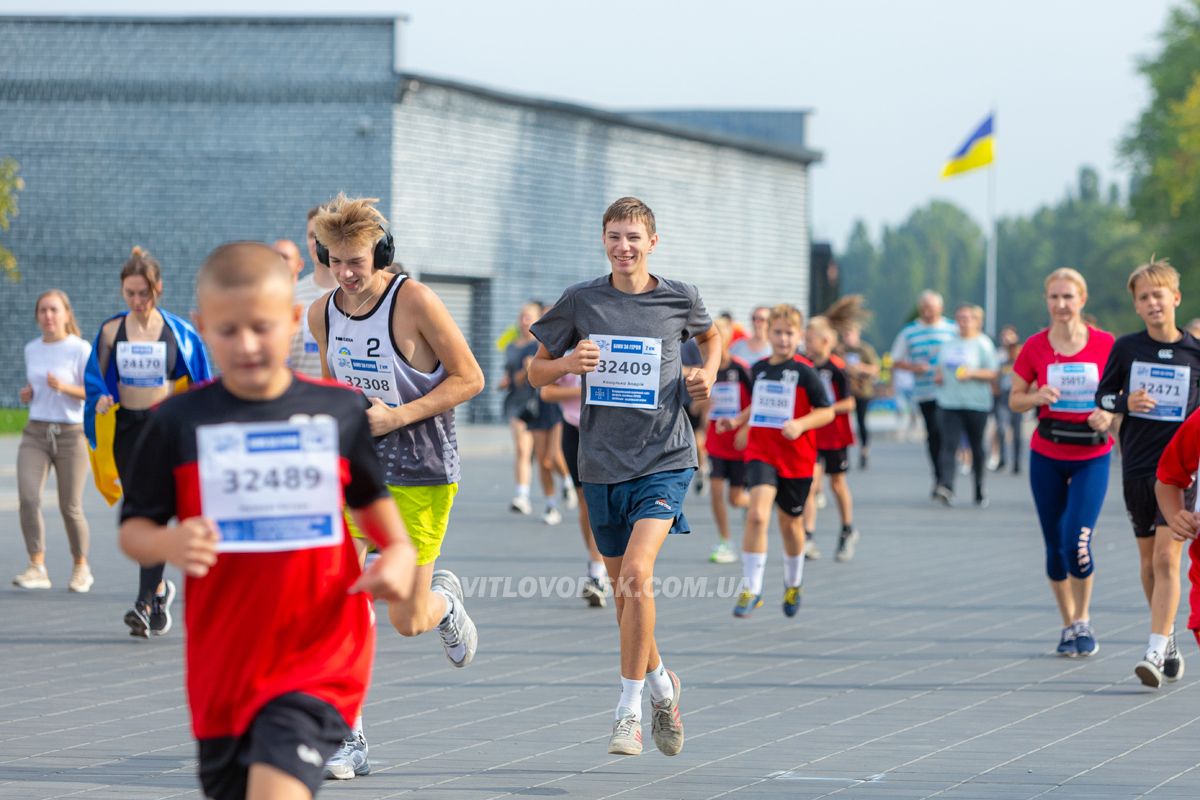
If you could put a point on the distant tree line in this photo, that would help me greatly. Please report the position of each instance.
(939, 246)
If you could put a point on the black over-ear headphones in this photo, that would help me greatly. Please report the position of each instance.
(385, 250)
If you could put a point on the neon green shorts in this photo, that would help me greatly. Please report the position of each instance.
(426, 514)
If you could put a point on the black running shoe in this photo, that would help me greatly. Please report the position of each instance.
(138, 620)
(160, 610)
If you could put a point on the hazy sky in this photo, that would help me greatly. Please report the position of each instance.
(894, 86)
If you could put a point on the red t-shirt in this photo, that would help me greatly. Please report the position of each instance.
(720, 445)
(1033, 364)
(260, 625)
(795, 458)
(837, 434)
(1177, 467)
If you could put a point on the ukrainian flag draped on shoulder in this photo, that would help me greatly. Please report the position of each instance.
(191, 367)
(977, 151)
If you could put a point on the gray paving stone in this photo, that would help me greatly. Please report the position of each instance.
(925, 664)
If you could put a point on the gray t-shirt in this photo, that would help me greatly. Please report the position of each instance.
(619, 444)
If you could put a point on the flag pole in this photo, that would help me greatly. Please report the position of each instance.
(990, 267)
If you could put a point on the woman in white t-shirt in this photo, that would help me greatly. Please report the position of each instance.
(54, 371)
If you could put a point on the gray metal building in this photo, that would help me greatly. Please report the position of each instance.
(179, 134)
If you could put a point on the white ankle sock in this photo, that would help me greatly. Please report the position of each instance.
(523, 490)
(1158, 643)
(596, 570)
(449, 606)
(793, 570)
(753, 567)
(358, 731)
(660, 683)
(631, 697)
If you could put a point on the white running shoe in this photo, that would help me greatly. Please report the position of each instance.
(81, 579)
(811, 551)
(34, 577)
(626, 739)
(521, 505)
(722, 553)
(552, 516)
(1150, 669)
(350, 760)
(459, 636)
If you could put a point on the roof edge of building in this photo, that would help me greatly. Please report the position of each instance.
(802, 156)
(187, 19)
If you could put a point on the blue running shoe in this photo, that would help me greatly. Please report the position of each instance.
(1066, 645)
(746, 603)
(792, 595)
(1085, 640)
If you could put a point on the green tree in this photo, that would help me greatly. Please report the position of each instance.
(10, 184)
(1164, 147)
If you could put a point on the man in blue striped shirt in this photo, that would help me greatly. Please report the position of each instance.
(915, 348)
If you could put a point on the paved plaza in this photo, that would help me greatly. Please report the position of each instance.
(922, 669)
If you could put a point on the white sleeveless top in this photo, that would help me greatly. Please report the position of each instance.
(362, 353)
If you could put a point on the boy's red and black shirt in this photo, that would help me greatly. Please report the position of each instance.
(263, 624)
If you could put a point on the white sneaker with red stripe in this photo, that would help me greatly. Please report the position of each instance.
(666, 726)
(626, 739)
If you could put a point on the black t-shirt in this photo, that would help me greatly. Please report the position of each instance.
(1143, 440)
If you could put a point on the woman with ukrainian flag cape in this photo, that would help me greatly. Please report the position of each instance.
(140, 357)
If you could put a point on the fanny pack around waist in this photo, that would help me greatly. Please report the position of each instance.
(1078, 433)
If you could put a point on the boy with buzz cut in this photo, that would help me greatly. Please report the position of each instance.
(1151, 381)
(778, 433)
(255, 466)
(637, 454)
(393, 339)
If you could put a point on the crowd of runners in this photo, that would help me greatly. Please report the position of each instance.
(298, 441)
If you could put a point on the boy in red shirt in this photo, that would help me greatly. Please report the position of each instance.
(833, 440)
(776, 431)
(255, 467)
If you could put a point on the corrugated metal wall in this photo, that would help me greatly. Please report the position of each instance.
(513, 196)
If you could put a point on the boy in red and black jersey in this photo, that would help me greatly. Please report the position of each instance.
(726, 463)
(833, 440)
(255, 467)
(787, 405)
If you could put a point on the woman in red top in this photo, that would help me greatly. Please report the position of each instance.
(1057, 373)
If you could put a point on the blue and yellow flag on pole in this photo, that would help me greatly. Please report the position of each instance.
(976, 151)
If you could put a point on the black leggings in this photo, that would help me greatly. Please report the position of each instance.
(860, 413)
(129, 425)
(955, 423)
(933, 436)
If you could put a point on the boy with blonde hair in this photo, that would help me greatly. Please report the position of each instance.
(1150, 379)
(393, 339)
(777, 431)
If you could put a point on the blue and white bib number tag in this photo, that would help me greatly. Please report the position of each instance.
(272, 486)
(628, 373)
(1076, 383)
(142, 363)
(726, 400)
(953, 356)
(1167, 385)
(773, 404)
(372, 376)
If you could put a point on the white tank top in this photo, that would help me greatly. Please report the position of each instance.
(362, 353)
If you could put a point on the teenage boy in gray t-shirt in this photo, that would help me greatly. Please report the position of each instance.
(636, 452)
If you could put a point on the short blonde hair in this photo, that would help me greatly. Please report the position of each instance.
(1067, 274)
(352, 221)
(1158, 272)
(824, 327)
(789, 312)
